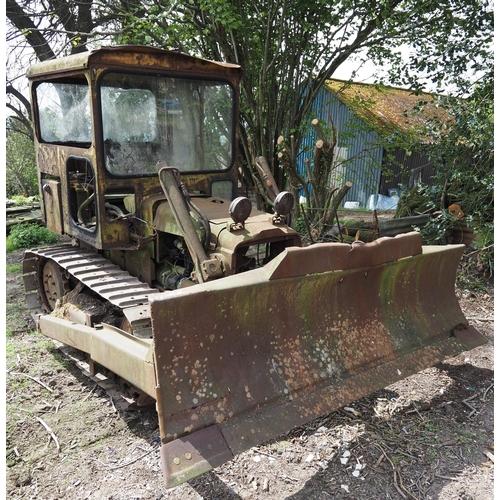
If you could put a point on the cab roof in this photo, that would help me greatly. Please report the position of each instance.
(132, 56)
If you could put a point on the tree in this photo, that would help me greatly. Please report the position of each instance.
(464, 156)
(287, 49)
(20, 164)
(39, 31)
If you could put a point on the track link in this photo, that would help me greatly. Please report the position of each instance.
(99, 274)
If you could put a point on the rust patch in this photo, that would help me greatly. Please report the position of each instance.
(227, 350)
(190, 456)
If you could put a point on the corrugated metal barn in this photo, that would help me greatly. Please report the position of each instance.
(365, 116)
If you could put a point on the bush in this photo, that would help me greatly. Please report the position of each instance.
(300, 226)
(20, 200)
(28, 235)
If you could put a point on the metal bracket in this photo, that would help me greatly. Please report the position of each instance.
(277, 220)
(235, 226)
(189, 456)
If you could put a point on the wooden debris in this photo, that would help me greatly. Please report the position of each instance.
(135, 460)
(483, 398)
(88, 395)
(465, 402)
(49, 430)
(34, 379)
(265, 486)
(489, 455)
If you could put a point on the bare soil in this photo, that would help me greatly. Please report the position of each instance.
(429, 436)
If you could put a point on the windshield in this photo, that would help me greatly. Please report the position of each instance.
(145, 119)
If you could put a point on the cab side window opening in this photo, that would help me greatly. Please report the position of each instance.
(64, 113)
(81, 187)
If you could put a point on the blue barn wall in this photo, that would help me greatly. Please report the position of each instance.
(361, 147)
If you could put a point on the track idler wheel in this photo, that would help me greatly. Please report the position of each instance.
(54, 284)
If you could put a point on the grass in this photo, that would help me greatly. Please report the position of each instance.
(15, 311)
(13, 349)
(14, 268)
(59, 357)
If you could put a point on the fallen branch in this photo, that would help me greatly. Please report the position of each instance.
(449, 478)
(483, 398)
(113, 404)
(49, 430)
(480, 250)
(133, 461)
(88, 395)
(465, 402)
(417, 412)
(489, 455)
(34, 379)
(396, 475)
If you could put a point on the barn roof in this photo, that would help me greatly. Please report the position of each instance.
(388, 109)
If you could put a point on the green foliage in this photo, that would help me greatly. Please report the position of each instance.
(434, 232)
(20, 162)
(300, 226)
(418, 200)
(28, 235)
(464, 156)
(451, 47)
(287, 50)
(20, 200)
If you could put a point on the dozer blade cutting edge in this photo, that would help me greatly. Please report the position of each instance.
(243, 359)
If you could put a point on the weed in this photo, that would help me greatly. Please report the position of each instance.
(28, 235)
(431, 427)
(13, 268)
(10, 350)
(60, 358)
(281, 446)
(14, 311)
(43, 343)
(300, 226)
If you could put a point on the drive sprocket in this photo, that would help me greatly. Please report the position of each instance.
(54, 283)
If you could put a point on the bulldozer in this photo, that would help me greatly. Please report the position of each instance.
(180, 287)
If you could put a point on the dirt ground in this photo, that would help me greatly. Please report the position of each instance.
(429, 436)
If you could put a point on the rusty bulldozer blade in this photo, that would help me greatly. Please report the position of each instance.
(246, 358)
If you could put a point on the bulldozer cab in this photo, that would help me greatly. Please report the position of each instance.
(213, 309)
(104, 119)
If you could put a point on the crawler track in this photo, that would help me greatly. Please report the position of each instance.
(97, 273)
